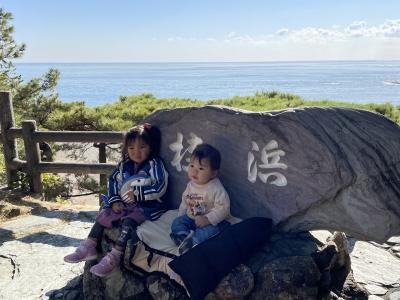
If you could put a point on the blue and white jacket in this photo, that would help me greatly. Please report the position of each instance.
(151, 196)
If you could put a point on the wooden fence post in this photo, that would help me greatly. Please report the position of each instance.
(32, 153)
(102, 159)
(9, 144)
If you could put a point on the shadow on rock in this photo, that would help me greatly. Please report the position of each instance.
(56, 240)
(67, 215)
(6, 235)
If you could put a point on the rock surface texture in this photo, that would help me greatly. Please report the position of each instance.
(308, 168)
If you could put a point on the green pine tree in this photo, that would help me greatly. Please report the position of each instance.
(35, 99)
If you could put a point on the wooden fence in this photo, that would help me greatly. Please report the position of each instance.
(33, 165)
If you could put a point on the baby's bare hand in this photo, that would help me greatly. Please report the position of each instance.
(201, 221)
(117, 207)
(131, 197)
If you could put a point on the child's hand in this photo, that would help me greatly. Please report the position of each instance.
(131, 197)
(201, 221)
(117, 207)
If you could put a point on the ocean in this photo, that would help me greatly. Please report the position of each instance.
(101, 83)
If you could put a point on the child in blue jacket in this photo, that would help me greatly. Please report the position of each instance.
(136, 193)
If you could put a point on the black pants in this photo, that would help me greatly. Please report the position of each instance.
(128, 231)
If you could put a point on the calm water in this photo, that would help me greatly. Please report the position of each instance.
(100, 83)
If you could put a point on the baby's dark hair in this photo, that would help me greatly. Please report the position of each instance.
(207, 151)
(148, 133)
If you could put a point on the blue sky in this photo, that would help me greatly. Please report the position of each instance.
(207, 30)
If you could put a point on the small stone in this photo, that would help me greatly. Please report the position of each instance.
(343, 256)
(14, 212)
(321, 235)
(394, 240)
(372, 265)
(332, 296)
(395, 248)
(71, 295)
(384, 245)
(375, 289)
(75, 282)
(374, 297)
(394, 296)
(51, 294)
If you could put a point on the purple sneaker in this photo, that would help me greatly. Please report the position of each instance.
(85, 251)
(107, 263)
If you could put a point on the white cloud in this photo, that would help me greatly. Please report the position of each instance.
(318, 35)
(177, 39)
(390, 28)
(314, 35)
(357, 40)
(282, 32)
(356, 29)
(234, 37)
(359, 29)
(356, 25)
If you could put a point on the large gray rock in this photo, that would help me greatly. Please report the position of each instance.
(309, 168)
(290, 278)
(237, 285)
(289, 266)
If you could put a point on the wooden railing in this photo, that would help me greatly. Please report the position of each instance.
(33, 166)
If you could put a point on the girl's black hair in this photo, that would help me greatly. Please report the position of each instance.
(149, 134)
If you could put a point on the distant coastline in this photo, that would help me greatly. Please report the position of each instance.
(361, 81)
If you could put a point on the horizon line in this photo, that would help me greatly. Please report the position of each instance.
(205, 62)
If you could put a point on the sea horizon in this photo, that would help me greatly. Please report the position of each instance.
(199, 62)
(358, 81)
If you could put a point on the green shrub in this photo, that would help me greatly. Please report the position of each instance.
(3, 177)
(55, 186)
(88, 183)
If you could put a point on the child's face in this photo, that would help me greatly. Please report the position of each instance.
(201, 173)
(138, 151)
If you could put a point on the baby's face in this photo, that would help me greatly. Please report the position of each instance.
(201, 173)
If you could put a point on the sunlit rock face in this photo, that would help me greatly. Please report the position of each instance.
(308, 168)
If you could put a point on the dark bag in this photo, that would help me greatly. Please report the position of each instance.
(204, 266)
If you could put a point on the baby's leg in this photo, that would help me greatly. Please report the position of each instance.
(203, 233)
(182, 225)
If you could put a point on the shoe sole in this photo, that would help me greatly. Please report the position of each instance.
(77, 261)
(103, 275)
(189, 236)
